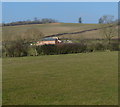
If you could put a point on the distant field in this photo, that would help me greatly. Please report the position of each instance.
(48, 29)
(74, 79)
(87, 35)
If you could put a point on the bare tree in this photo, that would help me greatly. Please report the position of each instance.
(107, 19)
(109, 32)
(108, 28)
(33, 34)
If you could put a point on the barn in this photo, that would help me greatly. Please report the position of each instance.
(48, 40)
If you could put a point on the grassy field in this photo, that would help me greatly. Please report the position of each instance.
(12, 32)
(74, 79)
(47, 29)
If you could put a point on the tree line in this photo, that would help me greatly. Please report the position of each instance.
(35, 21)
(101, 20)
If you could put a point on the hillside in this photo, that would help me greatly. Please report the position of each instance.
(46, 29)
(74, 30)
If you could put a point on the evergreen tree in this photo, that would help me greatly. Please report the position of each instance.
(80, 20)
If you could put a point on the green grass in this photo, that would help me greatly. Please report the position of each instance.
(74, 79)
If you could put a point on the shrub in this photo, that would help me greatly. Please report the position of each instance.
(99, 46)
(19, 48)
(71, 48)
(39, 50)
(46, 49)
(90, 47)
(15, 49)
(61, 49)
(32, 51)
(49, 49)
(114, 47)
(4, 51)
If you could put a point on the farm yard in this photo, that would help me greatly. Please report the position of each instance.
(71, 79)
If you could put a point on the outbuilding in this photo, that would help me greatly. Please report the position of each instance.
(48, 40)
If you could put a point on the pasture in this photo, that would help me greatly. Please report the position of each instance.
(72, 79)
(12, 32)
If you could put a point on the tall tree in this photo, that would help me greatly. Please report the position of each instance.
(80, 20)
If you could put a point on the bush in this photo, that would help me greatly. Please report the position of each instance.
(15, 49)
(99, 46)
(114, 47)
(19, 48)
(61, 49)
(71, 48)
(90, 47)
(32, 51)
(4, 51)
(48, 49)
(39, 50)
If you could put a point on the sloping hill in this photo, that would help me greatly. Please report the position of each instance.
(63, 30)
(47, 29)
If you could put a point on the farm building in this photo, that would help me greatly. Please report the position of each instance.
(48, 40)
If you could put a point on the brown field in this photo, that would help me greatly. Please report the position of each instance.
(11, 32)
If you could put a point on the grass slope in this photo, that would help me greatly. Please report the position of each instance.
(11, 32)
(87, 78)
